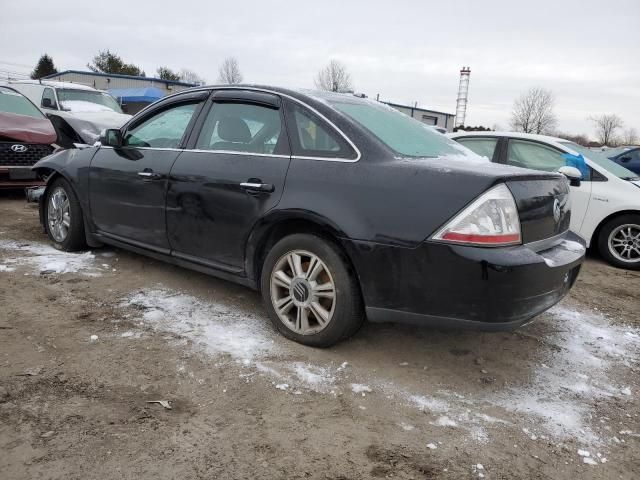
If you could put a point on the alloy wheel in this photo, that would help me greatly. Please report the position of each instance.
(59, 215)
(303, 292)
(624, 243)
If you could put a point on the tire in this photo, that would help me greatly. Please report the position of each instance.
(619, 241)
(321, 270)
(69, 238)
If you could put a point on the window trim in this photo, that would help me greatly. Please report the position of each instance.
(292, 126)
(210, 104)
(162, 108)
(311, 109)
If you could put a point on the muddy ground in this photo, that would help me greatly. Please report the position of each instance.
(86, 340)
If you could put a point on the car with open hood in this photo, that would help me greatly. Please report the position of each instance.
(26, 136)
(336, 208)
(78, 112)
(605, 195)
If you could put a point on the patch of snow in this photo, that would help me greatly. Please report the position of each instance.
(429, 403)
(44, 258)
(83, 106)
(445, 421)
(7, 268)
(359, 388)
(431, 446)
(93, 338)
(282, 386)
(589, 461)
(131, 334)
(406, 427)
(584, 453)
(216, 328)
(559, 392)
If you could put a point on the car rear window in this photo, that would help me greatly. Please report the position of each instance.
(399, 132)
(13, 102)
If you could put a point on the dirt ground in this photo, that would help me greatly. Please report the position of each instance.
(86, 340)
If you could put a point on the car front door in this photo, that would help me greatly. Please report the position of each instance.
(232, 173)
(128, 184)
(540, 156)
(483, 146)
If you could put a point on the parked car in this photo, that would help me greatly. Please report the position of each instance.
(629, 158)
(606, 205)
(335, 207)
(26, 136)
(78, 112)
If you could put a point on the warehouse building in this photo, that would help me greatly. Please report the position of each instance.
(430, 117)
(133, 93)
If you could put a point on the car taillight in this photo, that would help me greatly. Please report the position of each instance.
(490, 221)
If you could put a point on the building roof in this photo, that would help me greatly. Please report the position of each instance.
(53, 83)
(119, 75)
(421, 109)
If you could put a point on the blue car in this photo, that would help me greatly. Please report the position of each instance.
(629, 159)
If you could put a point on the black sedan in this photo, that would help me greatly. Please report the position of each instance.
(337, 208)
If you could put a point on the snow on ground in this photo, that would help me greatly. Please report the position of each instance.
(42, 258)
(577, 372)
(556, 401)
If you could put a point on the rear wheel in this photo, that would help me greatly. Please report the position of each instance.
(310, 292)
(619, 241)
(63, 217)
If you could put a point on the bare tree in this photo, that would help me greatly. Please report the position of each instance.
(189, 76)
(533, 112)
(607, 126)
(334, 78)
(229, 71)
(630, 136)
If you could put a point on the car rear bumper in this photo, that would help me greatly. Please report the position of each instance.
(457, 286)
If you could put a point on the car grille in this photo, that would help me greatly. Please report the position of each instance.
(33, 153)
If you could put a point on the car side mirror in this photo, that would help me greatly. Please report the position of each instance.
(573, 174)
(111, 137)
(47, 103)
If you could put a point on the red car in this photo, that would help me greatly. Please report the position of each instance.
(26, 136)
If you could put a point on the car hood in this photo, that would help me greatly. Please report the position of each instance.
(26, 129)
(88, 125)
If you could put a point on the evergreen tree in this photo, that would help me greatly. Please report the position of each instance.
(44, 67)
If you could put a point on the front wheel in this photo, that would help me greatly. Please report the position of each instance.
(310, 292)
(619, 242)
(63, 217)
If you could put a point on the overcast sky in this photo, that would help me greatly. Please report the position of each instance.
(586, 52)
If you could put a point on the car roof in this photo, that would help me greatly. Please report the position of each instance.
(527, 136)
(54, 84)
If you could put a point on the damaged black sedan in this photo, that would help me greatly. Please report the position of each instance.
(338, 208)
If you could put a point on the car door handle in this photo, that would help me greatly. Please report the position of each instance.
(257, 187)
(149, 174)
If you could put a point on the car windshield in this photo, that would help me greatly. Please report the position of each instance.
(13, 102)
(601, 159)
(86, 101)
(401, 133)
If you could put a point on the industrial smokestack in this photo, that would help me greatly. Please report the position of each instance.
(463, 94)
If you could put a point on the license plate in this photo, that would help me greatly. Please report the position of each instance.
(21, 174)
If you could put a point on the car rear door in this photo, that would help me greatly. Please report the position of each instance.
(541, 156)
(232, 173)
(128, 185)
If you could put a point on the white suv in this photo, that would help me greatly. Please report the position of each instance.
(78, 112)
(605, 207)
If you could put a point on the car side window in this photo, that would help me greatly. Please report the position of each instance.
(485, 147)
(312, 137)
(522, 153)
(162, 130)
(242, 127)
(48, 99)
